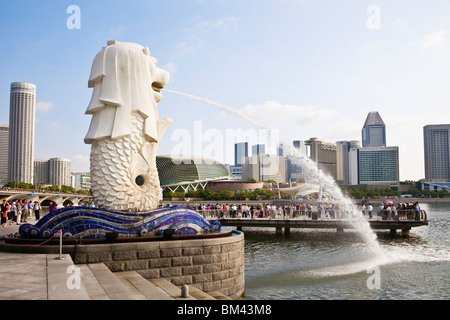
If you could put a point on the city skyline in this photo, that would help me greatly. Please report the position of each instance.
(289, 65)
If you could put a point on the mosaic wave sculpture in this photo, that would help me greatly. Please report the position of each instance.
(91, 223)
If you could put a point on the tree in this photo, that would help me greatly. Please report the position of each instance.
(443, 193)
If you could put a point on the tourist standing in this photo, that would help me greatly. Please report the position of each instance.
(370, 209)
(24, 211)
(30, 209)
(233, 211)
(319, 210)
(37, 210)
(4, 212)
(389, 212)
(382, 207)
(19, 211)
(52, 207)
(12, 212)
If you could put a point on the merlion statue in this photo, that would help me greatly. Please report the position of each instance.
(125, 128)
(124, 134)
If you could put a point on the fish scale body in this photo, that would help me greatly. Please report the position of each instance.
(113, 179)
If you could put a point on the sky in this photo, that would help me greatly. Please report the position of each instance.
(305, 68)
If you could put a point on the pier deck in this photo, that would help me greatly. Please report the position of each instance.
(338, 224)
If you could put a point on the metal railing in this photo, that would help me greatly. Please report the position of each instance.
(410, 214)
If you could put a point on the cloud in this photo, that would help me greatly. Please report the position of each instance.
(80, 163)
(197, 35)
(206, 27)
(295, 121)
(117, 31)
(55, 125)
(274, 111)
(435, 40)
(44, 106)
(170, 67)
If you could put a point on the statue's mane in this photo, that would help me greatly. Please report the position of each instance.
(121, 76)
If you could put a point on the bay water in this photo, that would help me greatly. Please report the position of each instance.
(313, 264)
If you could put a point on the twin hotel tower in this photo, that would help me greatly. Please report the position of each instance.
(350, 164)
(18, 163)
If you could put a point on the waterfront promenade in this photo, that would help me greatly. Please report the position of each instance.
(44, 276)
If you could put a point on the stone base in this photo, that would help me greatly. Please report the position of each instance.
(209, 264)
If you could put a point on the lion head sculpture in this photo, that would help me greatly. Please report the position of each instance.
(125, 79)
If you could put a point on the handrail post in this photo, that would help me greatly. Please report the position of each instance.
(60, 246)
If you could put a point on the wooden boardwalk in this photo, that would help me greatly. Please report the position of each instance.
(338, 224)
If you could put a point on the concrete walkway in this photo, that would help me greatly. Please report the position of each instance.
(46, 277)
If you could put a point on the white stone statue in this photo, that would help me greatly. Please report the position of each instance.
(125, 129)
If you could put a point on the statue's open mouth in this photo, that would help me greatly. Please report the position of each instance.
(157, 86)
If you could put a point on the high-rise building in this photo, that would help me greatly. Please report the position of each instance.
(55, 172)
(284, 150)
(59, 172)
(345, 164)
(21, 132)
(258, 149)
(41, 172)
(436, 140)
(240, 152)
(264, 168)
(299, 147)
(81, 180)
(324, 154)
(374, 131)
(378, 165)
(4, 140)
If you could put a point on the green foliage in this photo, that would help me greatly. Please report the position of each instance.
(258, 194)
(414, 190)
(27, 186)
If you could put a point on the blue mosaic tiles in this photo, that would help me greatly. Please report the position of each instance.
(91, 223)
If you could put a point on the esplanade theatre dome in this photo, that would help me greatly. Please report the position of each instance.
(179, 170)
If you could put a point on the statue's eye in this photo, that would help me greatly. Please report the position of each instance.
(140, 180)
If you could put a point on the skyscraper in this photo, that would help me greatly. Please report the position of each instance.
(346, 166)
(436, 140)
(41, 172)
(4, 138)
(378, 165)
(21, 132)
(59, 172)
(258, 149)
(374, 131)
(240, 152)
(55, 172)
(324, 154)
(264, 167)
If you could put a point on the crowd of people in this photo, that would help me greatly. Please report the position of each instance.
(19, 211)
(387, 211)
(390, 211)
(271, 211)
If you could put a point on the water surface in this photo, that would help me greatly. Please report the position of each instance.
(321, 264)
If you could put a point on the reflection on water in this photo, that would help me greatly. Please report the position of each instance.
(318, 264)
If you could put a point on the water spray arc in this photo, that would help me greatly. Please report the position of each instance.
(325, 180)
